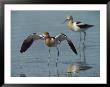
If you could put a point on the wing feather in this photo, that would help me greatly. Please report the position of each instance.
(82, 25)
(72, 46)
(28, 41)
(62, 37)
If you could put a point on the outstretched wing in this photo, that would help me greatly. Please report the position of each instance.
(29, 40)
(62, 37)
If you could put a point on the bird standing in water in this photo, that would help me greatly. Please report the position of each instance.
(49, 42)
(78, 27)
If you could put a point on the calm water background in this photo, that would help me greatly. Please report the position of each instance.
(34, 61)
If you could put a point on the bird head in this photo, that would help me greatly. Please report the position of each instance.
(46, 34)
(68, 18)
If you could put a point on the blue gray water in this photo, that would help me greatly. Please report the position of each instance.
(34, 62)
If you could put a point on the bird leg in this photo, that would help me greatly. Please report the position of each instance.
(57, 56)
(57, 62)
(84, 47)
(84, 53)
(80, 36)
(84, 36)
(49, 57)
(80, 46)
(49, 62)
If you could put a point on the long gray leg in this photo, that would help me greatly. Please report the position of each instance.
(84, 47)
(57, 62)
(80, 46)
(84, 36)
(84, 56)
(80, 36)
(57, 56)
(49, 58)
(49, 62)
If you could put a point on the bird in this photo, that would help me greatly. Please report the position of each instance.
(48, 41)
(77, 27)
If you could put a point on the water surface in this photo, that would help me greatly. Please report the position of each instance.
(34, 62)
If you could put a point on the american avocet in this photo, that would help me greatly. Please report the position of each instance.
(49, 42)
(77, 27)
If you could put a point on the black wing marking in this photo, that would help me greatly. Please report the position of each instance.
(82, 25)
(28, 42)
(62, 37)
(72, 46)
(85, 26)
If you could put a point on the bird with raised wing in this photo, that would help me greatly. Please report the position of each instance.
(49, 42)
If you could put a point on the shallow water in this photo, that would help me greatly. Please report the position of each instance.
(34, 62)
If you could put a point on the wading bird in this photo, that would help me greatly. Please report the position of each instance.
(49, 42)
(77, 27)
